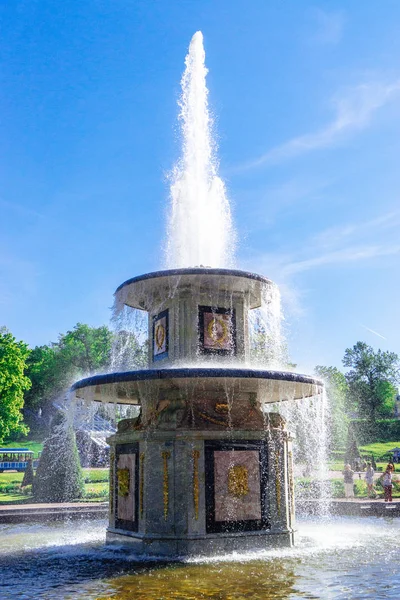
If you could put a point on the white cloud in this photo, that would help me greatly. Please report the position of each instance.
(338, 235)
(350, 254)
(329, 26)
(354, 111)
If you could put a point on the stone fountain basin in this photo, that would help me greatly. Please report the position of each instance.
(152, 289)
(136, 387)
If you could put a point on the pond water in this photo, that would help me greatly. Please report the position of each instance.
(334, 558)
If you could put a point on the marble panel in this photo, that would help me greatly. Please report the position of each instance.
(237, 491)
(126, 486)
(217, 330)
(160, 335)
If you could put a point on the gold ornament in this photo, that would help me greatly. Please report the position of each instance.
(238, 481)
(221, 408)
(211, 419)
(196, 456)
(141, 485)
(165, 456)
(112, 475)
(124, 480)
(160, 336)
(217, 330)
(277, 482)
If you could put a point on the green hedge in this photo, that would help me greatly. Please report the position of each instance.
(383, 430)
(307, 489)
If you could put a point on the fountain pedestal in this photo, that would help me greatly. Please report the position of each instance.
(201, 492)
(204, 468)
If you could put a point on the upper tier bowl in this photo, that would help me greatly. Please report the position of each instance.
(146, 291)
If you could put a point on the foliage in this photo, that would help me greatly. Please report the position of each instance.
(13, 383)
(86, 349)
(28, 474)
(33, 445)
(97, 475)
(27, 490)
(99, 490)
(337, 392)
(59, 476)
(10, 488)
(360, 487)
(382, 430)
(372, 379)
(308, 489)
(380, 449)
(80, 352)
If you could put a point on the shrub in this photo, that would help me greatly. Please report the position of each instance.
(59, 476)
(27, 490)
(28, 475)
(91, 493)
(360, 487)
(383, 430)
(337, 488)
(10, 488)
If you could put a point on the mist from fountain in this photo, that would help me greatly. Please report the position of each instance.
(200, 230)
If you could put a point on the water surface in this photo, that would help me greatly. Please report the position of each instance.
(337, 558)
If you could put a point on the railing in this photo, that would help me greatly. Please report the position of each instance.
(17, 465)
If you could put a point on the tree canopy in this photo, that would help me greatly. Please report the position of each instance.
(13, 383)
(80, 352)
(372, 379)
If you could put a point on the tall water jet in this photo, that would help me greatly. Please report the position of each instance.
(200, 229)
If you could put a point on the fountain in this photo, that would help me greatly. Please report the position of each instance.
(203, 467)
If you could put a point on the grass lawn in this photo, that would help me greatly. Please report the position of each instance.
(15, 499)
(96, 487)
(379, 449)
(33, 445)
(96, 475)
(338, 466)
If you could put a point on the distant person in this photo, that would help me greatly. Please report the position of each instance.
(386, 479)
(369, 478)
(373, 463)
(348, 476)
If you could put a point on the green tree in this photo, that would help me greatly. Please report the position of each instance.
(86, 350)
(13, 383)
(80, 352)
(372, 379)
(338, 394)
(59, 475)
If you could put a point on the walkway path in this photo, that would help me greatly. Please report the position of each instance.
(17, 513)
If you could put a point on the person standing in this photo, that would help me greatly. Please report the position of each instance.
(369, 478)
(386, 479)
(348, 476)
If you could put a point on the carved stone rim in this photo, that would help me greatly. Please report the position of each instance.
(193, 373)
(194, 271)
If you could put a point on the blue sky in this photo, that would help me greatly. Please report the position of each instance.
(307, 105)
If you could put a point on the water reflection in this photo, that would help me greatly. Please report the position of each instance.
(233, 581)
(340, 558)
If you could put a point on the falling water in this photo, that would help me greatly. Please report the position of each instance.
(267, 343)
(200, 229)
(308, 420)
